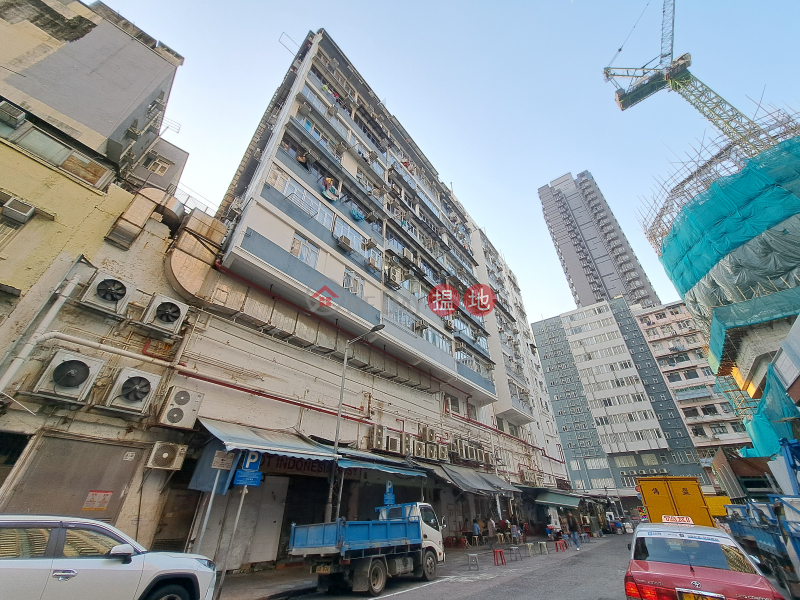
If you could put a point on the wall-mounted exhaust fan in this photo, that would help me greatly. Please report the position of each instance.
(133, 390)
(108, 293)
(69, 376)
(165, 313)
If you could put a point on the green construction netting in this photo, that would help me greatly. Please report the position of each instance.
(732, 211)
(768, 424)
(751, 312)
(769, 262)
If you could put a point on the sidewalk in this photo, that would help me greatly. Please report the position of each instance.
(289, 582)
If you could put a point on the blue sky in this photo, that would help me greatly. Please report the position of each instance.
(503, 97)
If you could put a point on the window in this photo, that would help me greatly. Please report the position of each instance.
(692, 553)
(707, 371)
(304, 250)
(87, 543)
(605, 482)
(663, 459)
(596, 463)
(625, 461)
(718, 428)
(661, 315)
(673, 377)
(159, 166)
(649, 460)
(353, 282)
(23, 542)
(691, 374)
(473, 412)
(658, 346)
(698, 431)
(692, 339)
(726, 407)
(738, 427)
(575, 465)
(455, 406)
(709, 409)
(691, 412)
(675, 310)
(429, 517)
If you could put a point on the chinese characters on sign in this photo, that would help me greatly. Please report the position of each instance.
(97, 500)
(478, 300)
(443, 300)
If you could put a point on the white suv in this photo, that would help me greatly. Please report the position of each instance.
(65, 558)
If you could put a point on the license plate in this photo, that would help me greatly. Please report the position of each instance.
(323, 569)
(698, 596)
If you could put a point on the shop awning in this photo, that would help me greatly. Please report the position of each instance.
(501, 485)
(348, 463)
(556, 499)
(282, 443)
(468, 480)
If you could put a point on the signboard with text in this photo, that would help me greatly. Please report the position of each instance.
(677, 519)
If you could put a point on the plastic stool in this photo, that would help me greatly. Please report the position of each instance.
(529, 546)
(473, 560)
(514, 553)
(561, 545)
(584, 537)
(464, 543)
(499, 558)
(543, 548)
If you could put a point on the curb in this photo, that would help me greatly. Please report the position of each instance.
(291, 593)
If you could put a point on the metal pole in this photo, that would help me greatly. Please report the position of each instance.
(339, 499)
(208, 513)
(329, 503)
(230, 545)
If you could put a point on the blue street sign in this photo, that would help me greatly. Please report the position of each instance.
(388, 497)
(251, 461)
(247, 477)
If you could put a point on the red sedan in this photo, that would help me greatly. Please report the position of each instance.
(688, 562)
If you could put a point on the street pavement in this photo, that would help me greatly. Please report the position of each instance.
(594, 573)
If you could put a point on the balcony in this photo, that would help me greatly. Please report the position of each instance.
(466, 367)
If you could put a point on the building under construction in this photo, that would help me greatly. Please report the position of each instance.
(726, 226)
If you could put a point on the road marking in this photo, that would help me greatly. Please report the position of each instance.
(412, 589)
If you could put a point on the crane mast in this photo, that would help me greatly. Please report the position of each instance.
(675, 75)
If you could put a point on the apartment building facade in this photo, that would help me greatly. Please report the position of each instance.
(679, 348)
(614, 412)
(596, 257)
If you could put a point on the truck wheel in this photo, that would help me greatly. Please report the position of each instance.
(429, 566)
(169, 592)
(377, 578)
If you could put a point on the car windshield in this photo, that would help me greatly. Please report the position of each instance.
(695, 553)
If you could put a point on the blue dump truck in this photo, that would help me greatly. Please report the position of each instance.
(362, 555)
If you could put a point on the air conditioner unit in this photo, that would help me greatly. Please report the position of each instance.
(165, 314)
(108, 293)
(642, 471)
(479, 455)
(344, 243)
(166, 455)
(69, 376)
(406, 444)
(11, 115)
(623, 473)
(663, 471)
(394, 277)
(463, 449)
(408, 255)
(369, 244)
(372, 217)
(444, 452)
(378, 437)
(429, 434)
(453, 447)
(133, 390)
(17, 210)
(432, 451)
(460, 346)
(181, 408)
(420, 326)
(393, 444)
(420, 449)
(488, 458)
(372, 263)
(653, 471)
(449, 324)
(471, 452)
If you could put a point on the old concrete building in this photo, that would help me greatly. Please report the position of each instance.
(678, 346)
(597, 258)
(615, 414)
(152, 336)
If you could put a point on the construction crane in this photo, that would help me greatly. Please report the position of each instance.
(674, 74)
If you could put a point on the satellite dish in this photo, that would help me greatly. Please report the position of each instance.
(71, 373)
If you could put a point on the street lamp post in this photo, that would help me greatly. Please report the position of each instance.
(329, 503)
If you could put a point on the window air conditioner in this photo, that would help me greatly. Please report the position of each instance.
(344, 243)
(471, 452)
(432, 451)
(378, 437)
(372, 263)
(444, 452)
(420, 449)
(663, 471)
(406, 444)
(642, 471)
(449, 324)
(393, 444)
(17, 210)
(408, 255)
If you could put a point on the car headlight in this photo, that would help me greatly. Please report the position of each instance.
(208, 564)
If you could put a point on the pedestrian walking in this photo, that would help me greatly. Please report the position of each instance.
(574, 530)
(492, 531)
(476, 532)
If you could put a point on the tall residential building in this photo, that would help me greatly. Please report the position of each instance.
(679, 349)
(613, 409)
(597, 258)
